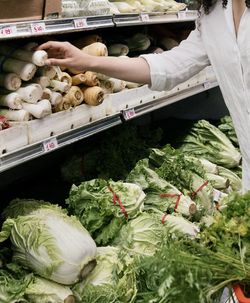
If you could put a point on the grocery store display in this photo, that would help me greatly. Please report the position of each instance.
(144, 220)
(101, 7)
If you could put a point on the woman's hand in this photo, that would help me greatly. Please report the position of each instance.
(65, 54)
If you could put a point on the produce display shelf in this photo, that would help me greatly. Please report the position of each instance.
(53, 143)
(166, 99)
(64, 128)
(29, 29)
(154, 18)
(53, 26)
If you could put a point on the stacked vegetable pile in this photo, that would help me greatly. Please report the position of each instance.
(29, 89)
(171, 230)
(102, 7)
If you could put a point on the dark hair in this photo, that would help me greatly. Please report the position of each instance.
(208, 4)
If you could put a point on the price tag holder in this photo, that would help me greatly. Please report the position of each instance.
(37, 28)
(144, 17)
(182, 15)
(128, 114)
(8, 31)
(50, 144)
(80, 23)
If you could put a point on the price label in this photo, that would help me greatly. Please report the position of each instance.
(129, 113)
(80, 23)
(182, 15)
(50, 144)
(144, 17)
(8, 31)
(207, 85)
(37, 28)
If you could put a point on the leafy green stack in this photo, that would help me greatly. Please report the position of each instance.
(174, 227)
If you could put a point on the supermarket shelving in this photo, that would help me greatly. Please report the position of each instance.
(30, 29)
(32, 139)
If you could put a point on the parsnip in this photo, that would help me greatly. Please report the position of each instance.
(47, 94)
(93, 95)
(47, 71)
(56, 98)
(78, 79)
(118, 49)
(23, 69)
(63, 105)
(91, 79)
(96, 49)
(15, 115)
(118, 85)
(74, 96)
(30, 93)
(64, 77)
(42, 80)
(59, 86)
(10, 81)
(12, 100)
(107, 86)
(37, 57)
(40, 109)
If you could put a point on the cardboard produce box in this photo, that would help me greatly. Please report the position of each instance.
(25, 10)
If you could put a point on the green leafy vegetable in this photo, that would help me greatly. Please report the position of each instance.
(160, 194)
(48, 241)
(207, 141)
(103, 207)
(113, 279)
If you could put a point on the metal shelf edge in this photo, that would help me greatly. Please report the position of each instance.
(36, 150)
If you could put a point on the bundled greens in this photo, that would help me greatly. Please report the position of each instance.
(188, 175)
(112, 280)
(103, 207)
(207, 141)
(48, 241)
(160, 194)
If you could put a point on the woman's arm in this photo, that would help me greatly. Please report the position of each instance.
(66, 55)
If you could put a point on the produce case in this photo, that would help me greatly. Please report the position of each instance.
(32, 152)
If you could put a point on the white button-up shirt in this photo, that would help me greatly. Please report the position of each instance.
(214, 42)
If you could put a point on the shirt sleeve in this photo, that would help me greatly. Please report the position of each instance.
(177, 65)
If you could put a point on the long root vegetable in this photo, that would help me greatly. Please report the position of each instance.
(59, 86)
(30, 93)
(56, 98)
(93, 95)
(15, 115)
(42, 80)
(107, 86)
(47, 71)
(12, 100)
(91, 79)
(63, 105)
(10, 81)
(23, 69)
(78, 79)
(37, 57)
(96, 49)
(118, 49)
(40, 109)
(118, 85)
(74, 96)
(64, 77)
